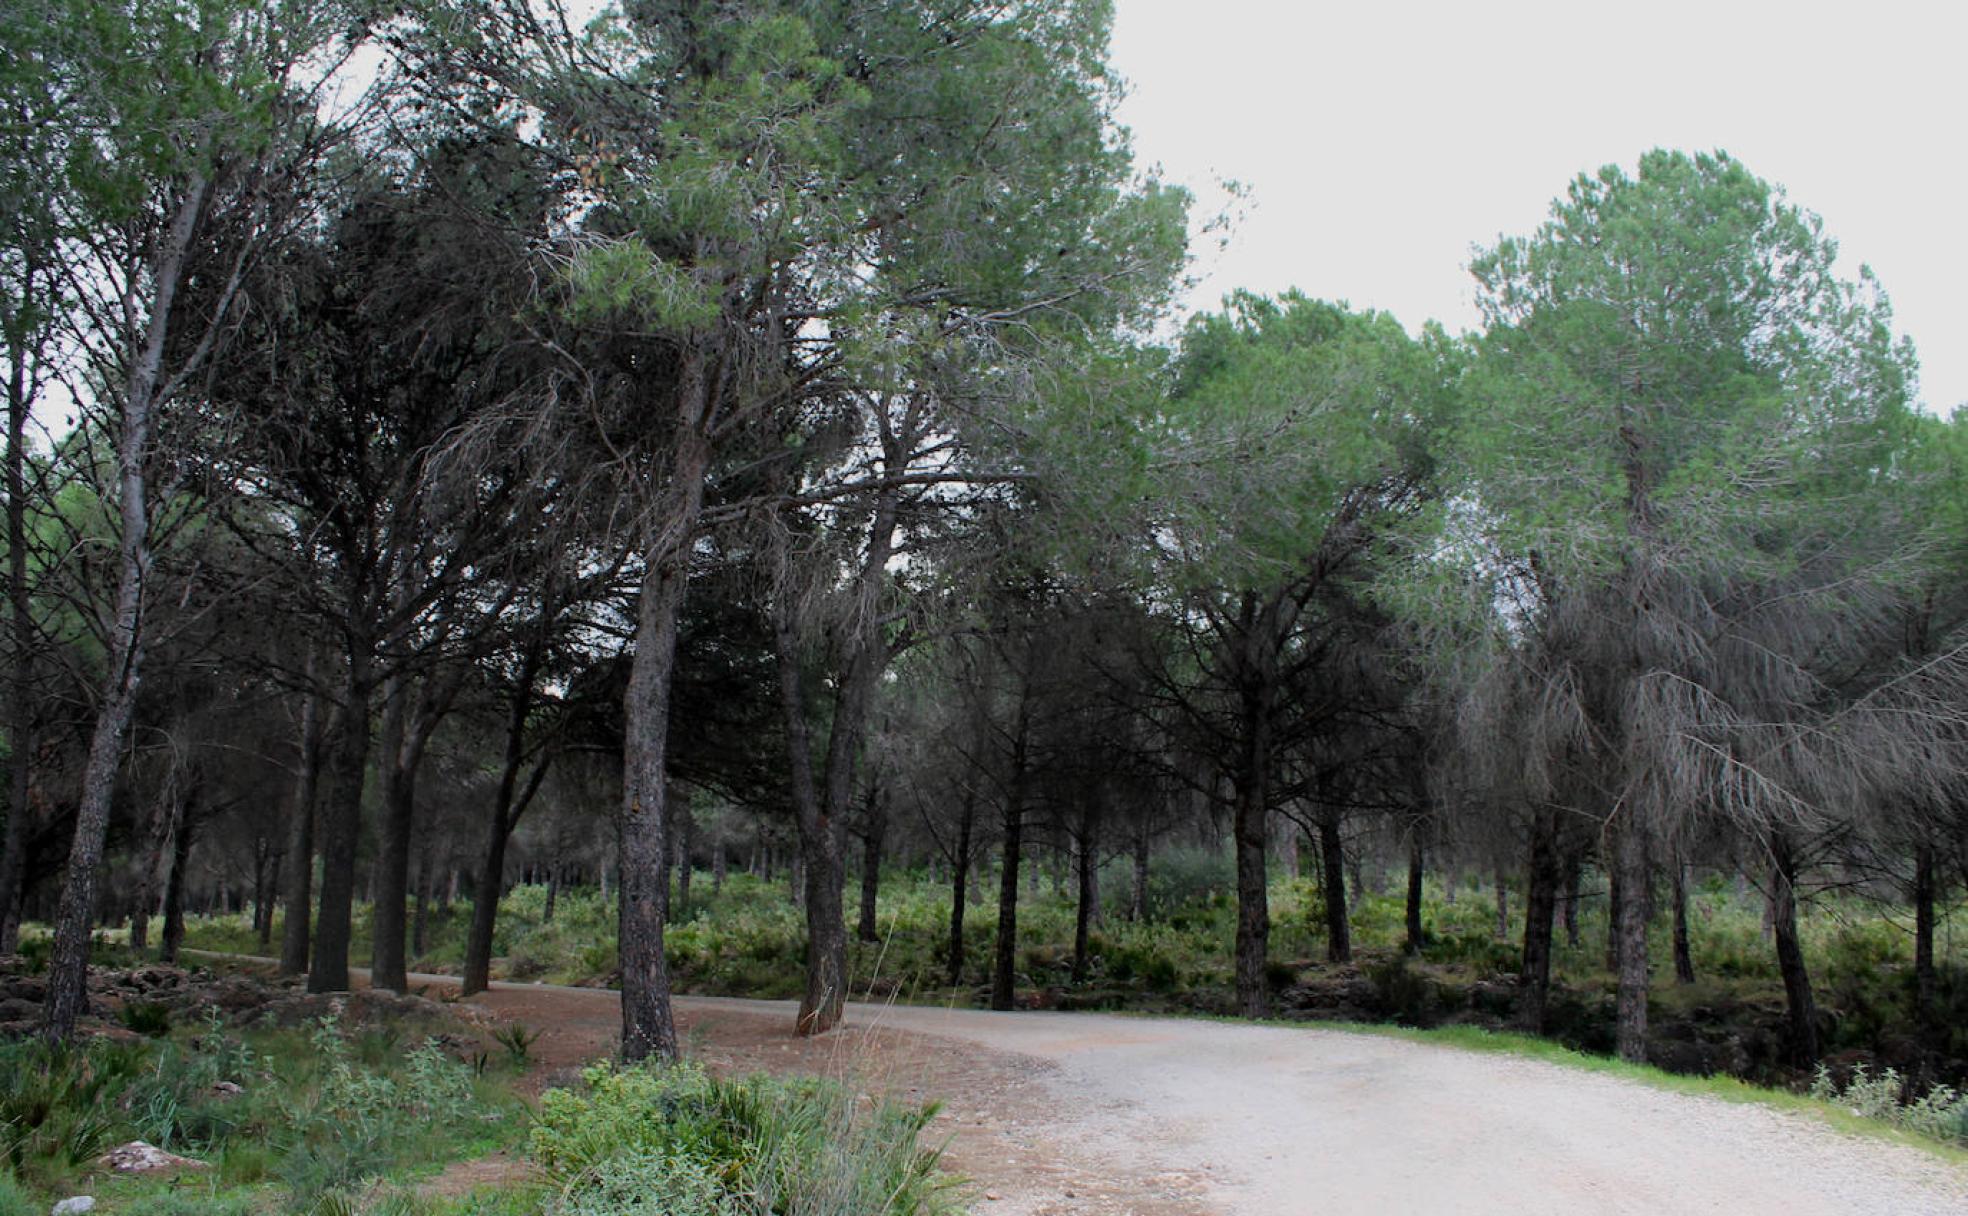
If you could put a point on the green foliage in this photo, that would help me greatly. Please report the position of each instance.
(146, 1018)
(1942, 1112)
(674, 1140)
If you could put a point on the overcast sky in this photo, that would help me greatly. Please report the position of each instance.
(1380, 141)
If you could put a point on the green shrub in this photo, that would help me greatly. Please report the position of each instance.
(146, 1018)
(1942, 1113)
(675, 1140)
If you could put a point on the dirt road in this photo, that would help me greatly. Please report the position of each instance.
(1053, 1114)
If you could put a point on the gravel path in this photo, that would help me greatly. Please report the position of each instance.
(1052, 1114)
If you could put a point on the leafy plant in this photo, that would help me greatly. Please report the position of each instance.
(518, 1039)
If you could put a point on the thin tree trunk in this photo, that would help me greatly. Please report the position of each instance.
(1924, 896)
(341, 831)
(174, 889)
(871, 861)
(1089, 884)
(20, 648)
(1503, 906)
(1288, 850)
(648, 1024)
(1005, 966)
(387, 966)
(1630, 922)
(68, 965)
(1332, 876)
(720, 862)
(266, 883)
(426, 880)
(1138, 896)
(507, 804)
(1416, 933)
(1574, 865)
(167, 810)
(684, 829)
(1800, 1006)
(1684, 959)
(1540, 910)
(959, 880)
(298, 892)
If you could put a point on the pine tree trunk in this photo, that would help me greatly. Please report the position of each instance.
(174, 891)
(68, 965)
(720, 862)
(341, 831)
(298, 889)
(1684, 959)
(420, 915)
(1415, 931)
(871, 860)
(1924, 897)
(1332, 876)
(959, 881)
(682, 838)
(1088, 863)
(1540, 911)
(1630, 924)
(266, 876)
(1503, 906)
(1574, 865)
(395, 777)
(507, 805)
(1005, 965)
(1800, 1006)
(21, 645)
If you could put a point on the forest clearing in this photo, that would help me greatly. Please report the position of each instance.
(531, 521)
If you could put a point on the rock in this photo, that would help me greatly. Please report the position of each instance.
(138, 1157)
(74, 1206)
(993, 1196)
(228, 1089)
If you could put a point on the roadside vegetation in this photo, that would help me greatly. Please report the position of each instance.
(746, 938)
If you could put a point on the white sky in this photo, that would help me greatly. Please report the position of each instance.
(1381, 141)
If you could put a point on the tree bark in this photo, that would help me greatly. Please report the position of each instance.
(1416, 934)
(1574, 865)
(1332, 877)
(1800, 1005)
(871, 860)
(1684, 959)
(298, 889)
(648, 1024)
(1540, 911)
(21, 647)
(341, 830)
(1630, 925)
(394, 777)
(507, 804)
(420, 912)
(68, 965)
(166, 815)
(959, 881)
(174, 889)
(1089, 883)
(1503, 906)
(1005, 966)
(1138, 897)
(1925, 979)
(683, 831)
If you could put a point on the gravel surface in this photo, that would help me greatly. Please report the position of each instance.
(1051, 1114)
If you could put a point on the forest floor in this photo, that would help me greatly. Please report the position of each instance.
(1050, 1114)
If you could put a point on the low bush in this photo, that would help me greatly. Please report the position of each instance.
(1941, 1113)
(675, 1141)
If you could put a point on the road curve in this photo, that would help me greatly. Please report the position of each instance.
(1216, 1117)
(1282, 1121)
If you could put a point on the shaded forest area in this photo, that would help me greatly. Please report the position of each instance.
(511, 462)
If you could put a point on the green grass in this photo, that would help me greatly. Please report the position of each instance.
(323, 1114)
